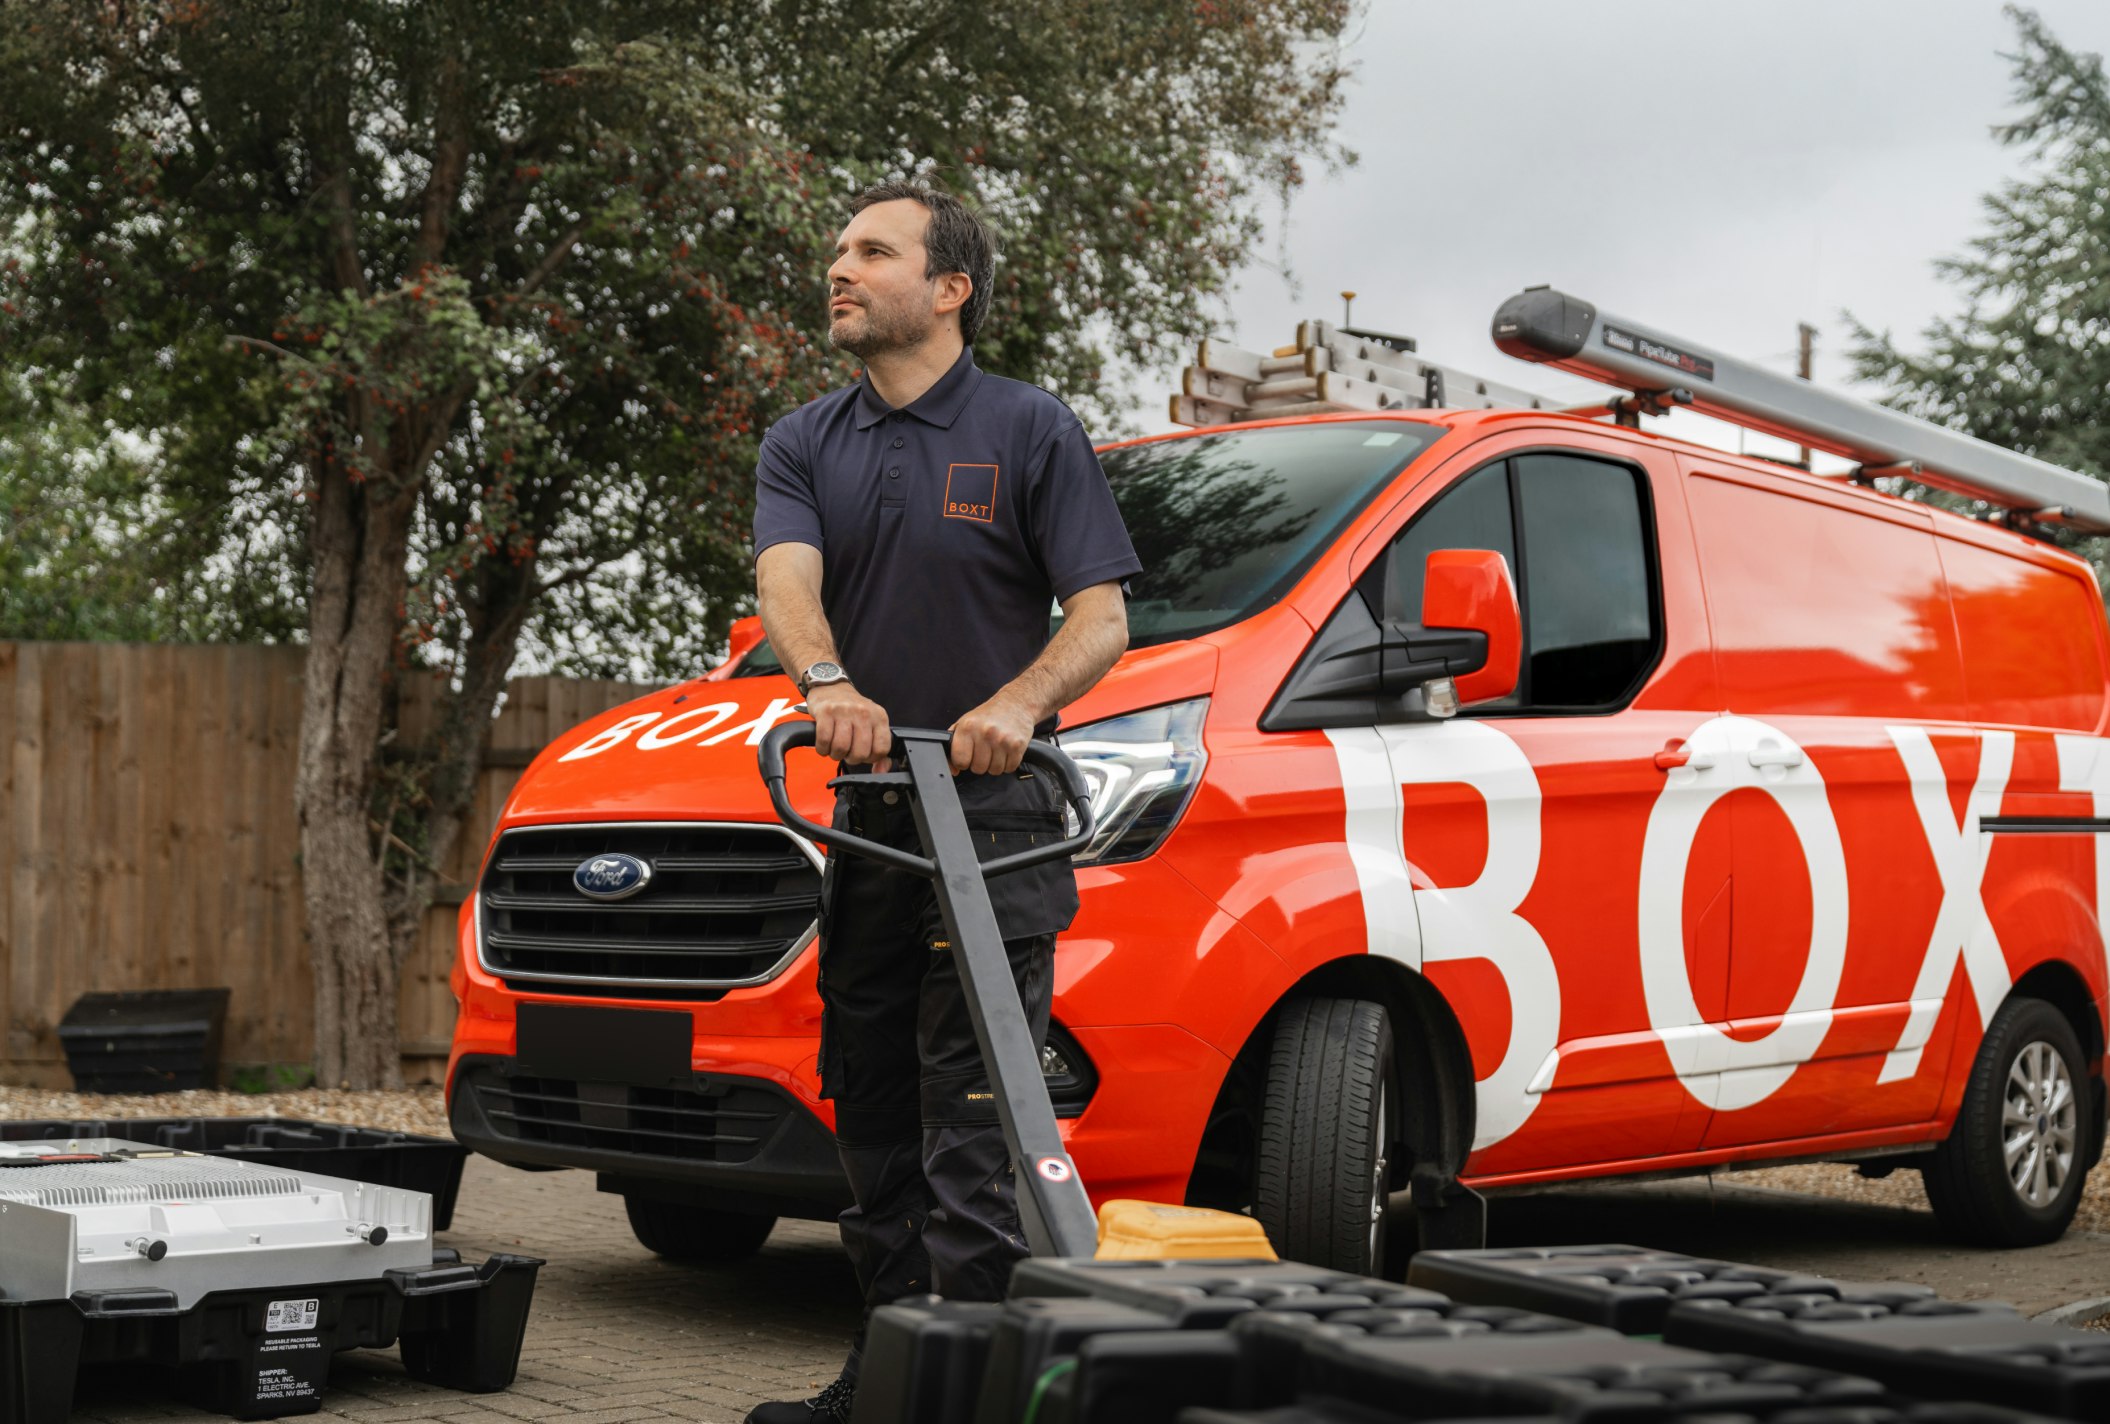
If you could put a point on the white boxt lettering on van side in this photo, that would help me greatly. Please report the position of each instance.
(2084, 765)
(1730, 754)
(1476, 921)
(608, 737)
(1962, 929)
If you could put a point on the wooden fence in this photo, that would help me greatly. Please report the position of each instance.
(148, 841)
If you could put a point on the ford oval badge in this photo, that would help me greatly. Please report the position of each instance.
(612, 877)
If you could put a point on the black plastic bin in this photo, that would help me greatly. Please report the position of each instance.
(145, 1041)
(432, 1165)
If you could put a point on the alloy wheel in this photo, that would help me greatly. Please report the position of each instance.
(2040, 1123)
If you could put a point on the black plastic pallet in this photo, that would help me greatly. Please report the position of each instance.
(262, 1352)
(1583, 1378)
(1133, 1342)
(432, 1165)
(1627, 1288)
(1929, 1349)
(1199, 1294)
(1257, 1342)
(1335, 1412)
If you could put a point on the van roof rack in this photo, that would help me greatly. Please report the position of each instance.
(1543, 325)
(1331, 369)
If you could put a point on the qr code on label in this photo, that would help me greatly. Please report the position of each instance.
(291, 1314)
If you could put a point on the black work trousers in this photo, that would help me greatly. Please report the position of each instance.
(915, 1116)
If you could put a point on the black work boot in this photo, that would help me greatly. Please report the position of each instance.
(830, 1406)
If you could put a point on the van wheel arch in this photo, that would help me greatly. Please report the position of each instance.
(1432, 1081)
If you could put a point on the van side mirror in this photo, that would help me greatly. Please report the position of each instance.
(1358, 671)
(1468, 592)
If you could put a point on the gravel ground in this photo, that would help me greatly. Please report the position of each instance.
(421, 1110)
(424, 1110)
(1902, 1188)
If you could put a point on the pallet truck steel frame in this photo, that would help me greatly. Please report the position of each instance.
(1053, 1207)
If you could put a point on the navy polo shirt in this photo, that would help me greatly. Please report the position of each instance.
(947, 529)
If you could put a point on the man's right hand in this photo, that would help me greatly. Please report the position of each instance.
(849, 726)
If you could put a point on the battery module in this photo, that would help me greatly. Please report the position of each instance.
(245, 1280)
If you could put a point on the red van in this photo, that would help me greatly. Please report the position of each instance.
(1770, 828)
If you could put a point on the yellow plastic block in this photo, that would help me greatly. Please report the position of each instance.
(1140, 1230)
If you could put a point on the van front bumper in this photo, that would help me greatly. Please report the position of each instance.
(727, 1142)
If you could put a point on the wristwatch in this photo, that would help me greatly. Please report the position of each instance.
(819, 675)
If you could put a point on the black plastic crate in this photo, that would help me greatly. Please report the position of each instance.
(923, 1360)
(263, 1352)
(1200, 1294)
(1134, 1342)
(432, 1165)
(1940, 1350)
(1035, 1337)
(145, 1041)
(1273, 1343)
(1584, 1377)
(1335, 1412)
(1630, 1288)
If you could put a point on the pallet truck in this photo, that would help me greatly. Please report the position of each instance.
(1054, 1209)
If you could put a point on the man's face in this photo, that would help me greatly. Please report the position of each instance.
(878, 298)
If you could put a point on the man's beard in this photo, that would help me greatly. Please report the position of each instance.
(879, 332)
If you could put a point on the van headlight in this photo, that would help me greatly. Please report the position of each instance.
(1143, 768)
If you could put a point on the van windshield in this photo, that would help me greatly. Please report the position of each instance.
(1225, 524)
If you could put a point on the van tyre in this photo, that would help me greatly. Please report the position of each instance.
(696, 1235)
(1326, 1127)
(2012, 1169)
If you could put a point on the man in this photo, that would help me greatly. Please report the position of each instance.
(911, 534)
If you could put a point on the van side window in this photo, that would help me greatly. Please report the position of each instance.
(1589, 633)
(1574, 530)
(1473, 514)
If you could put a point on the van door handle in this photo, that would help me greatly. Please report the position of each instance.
(1678, 752)
(1771, 753)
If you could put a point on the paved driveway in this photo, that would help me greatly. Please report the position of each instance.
(619, 1334)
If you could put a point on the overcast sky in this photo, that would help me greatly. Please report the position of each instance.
(1718, 170)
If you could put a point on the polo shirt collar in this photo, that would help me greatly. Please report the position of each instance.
(939, 406)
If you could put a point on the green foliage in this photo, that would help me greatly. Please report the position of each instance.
(549, 270)
(259, 1078)
(2026, 364)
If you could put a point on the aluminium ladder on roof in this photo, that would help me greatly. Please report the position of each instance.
(1555, 329)
(1329, 370)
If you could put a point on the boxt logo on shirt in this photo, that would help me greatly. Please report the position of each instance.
(970, 492)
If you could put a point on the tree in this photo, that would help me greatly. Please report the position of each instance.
(450, 325)
(2026, 364)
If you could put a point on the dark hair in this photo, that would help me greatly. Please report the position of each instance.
(957, 240)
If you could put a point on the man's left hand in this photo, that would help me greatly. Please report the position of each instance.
(992, 738)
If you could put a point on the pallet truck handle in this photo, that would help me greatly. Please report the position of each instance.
(1075, 789)
(782, 738)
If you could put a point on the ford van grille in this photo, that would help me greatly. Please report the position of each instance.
(723, 905)
(714, 1123)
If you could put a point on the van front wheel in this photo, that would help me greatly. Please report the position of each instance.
(2011, 1171)
(694, 1234)
(1326, 1132)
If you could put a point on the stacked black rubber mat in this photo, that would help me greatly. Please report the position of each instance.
(1555, 1336)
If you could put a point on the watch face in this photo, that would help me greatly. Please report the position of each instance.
(822, 673)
